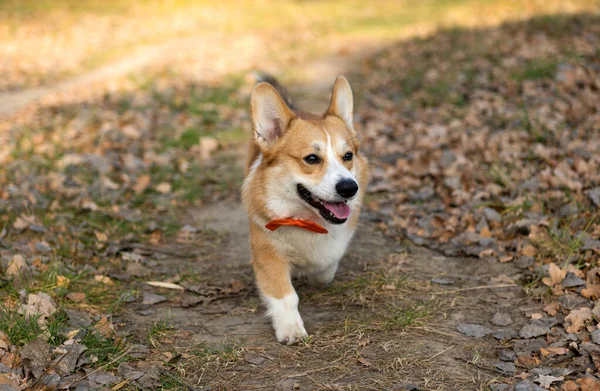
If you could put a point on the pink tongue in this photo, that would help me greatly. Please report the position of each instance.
(339, 209)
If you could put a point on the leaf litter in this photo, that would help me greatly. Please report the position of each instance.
(487, 146)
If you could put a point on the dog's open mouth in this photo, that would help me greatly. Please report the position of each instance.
(334, 212)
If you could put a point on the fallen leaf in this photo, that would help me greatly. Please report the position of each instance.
(101, 236)
(576, 320)
(77, 297)
(141, 184)
(364, 361)
(553, 350)
(62, 282)
(16, 266)
(588, 384)
(552, 308)
(163, 188)
(39, 304)
(155, 237)
(105, 327)
(556, 275)
(546, 381)
(104, 279)
(529, 251)
(569, 385)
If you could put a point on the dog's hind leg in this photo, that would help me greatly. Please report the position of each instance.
(322, 277)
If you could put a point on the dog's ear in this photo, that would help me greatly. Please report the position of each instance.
(270, 115)
(342, 102)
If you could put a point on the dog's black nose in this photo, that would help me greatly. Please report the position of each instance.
(346, 188)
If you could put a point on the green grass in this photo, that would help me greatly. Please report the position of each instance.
(21, 330)
(104, 351)
(538, 68)
(159, 330)
(404, 317)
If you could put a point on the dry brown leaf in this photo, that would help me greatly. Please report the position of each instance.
(155, 237)
(16, 266)
(142, 184)
(557, 275)
(588, 384)
(529, 251)
(62, 281)
(105, 327)
(77, 297)
(553, 350)
(39, 304)
(104, 279)
(364, 362)
(101, 236)
(485, 232)
(577, 319)
(569, 385)
(552, 308)
(163, 188)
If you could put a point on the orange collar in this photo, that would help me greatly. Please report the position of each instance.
(304, 224)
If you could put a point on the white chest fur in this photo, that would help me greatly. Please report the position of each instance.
(310, 252)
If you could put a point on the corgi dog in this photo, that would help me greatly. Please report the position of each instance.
(304, 184)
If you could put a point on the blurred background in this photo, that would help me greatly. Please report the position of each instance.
(44, 41)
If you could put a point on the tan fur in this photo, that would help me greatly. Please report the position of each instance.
(297, 138)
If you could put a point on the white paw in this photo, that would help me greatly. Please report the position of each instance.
(290, 333)
(288, 325)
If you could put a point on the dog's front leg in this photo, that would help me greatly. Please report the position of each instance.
(273, 279)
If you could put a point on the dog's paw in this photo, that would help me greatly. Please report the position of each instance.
(289, 333)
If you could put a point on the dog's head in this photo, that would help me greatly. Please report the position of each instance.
(312, 166)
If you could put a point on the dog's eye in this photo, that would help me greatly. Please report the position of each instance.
(312, 159)
(348, 157)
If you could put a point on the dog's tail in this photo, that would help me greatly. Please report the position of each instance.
(265, 77)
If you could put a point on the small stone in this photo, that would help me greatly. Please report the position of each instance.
(572, 302)
(506, 355)
(102, 378)
(523, 262)
(501, 319)
(568, 210)
(594, 196)
(526, 385)
(442, 281)
(473, 330)
(505, 334)
(43, 247)
(499, 387)
(572, 281)
(136, 269)
(506, 367)
(448, 157)
(596, 336)
(128, 372)
(152, 298)
(127, 297)
(492, 215)
(146, 312)
(532, 330)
